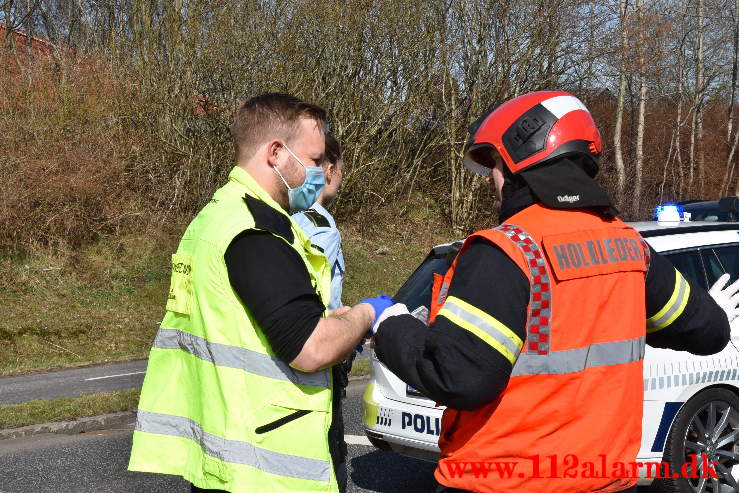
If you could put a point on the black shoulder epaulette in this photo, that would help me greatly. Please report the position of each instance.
(317, 219)
(268, 219)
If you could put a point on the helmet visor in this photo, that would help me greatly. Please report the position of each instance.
(480, 158)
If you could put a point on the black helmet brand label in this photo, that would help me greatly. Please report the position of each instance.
(526, 128)
(528, 135)
(568, 198)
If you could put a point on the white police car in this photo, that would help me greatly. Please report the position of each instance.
(685, 396)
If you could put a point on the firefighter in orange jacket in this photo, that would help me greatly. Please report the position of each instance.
(537, 331)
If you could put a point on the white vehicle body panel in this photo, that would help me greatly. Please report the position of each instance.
(692, 240)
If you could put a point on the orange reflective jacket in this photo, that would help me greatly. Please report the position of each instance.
(572, 409)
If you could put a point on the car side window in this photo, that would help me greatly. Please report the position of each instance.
(690, 266)
(726, 259)
(714, 270)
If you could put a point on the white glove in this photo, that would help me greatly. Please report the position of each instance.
(726, 297)
(395, 310)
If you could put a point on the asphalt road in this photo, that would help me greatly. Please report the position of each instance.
(68, 383)
(88, 380)
(96, 462)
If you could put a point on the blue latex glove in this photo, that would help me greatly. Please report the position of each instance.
(379, 304)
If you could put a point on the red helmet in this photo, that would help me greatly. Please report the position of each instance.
(531, 129)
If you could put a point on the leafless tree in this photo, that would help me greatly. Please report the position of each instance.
(617, 133)
(732, 135)
(639, 152)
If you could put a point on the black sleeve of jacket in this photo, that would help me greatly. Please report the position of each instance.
(702, 328)
(445, 362)
(274, 285)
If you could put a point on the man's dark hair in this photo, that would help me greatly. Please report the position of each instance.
(269, 116)
(333, 149)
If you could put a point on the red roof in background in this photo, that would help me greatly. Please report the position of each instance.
(39, 46)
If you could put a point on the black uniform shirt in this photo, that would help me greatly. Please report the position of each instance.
(273, 283)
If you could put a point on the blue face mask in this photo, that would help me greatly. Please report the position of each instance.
(304, 196)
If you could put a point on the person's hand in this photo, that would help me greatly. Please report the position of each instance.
(726, 297)
(378, 304)
(395, 310)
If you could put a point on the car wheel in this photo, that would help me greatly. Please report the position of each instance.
(708, 424)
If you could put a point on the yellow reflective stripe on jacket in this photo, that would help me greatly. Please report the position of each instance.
(674, 306)
(484, 326)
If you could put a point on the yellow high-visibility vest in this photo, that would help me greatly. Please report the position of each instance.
(217, 406)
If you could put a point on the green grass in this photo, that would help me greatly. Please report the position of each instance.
(360, 367)
(380, 259)
(104, 302)
(45, 411)
(67, 309)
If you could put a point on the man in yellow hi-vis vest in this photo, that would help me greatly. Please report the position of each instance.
(238, 394)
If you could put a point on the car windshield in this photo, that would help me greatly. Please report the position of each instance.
(711, 211)
(416, 291)
(712, 216)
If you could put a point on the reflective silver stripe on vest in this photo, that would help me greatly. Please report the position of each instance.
(574, 360)
(481, 324)
(443, 291)
(238, 357)
(538, 321)
(232, 450)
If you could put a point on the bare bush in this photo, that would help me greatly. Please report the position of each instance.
(125, 121)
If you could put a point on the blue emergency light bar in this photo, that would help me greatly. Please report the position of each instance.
(668, 213)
